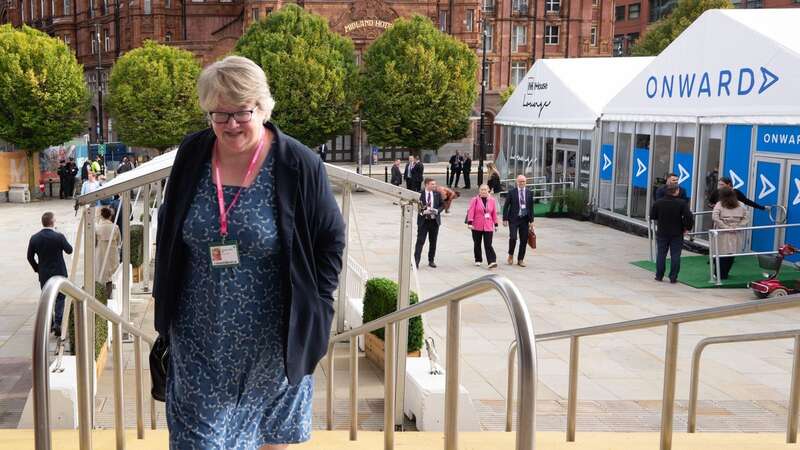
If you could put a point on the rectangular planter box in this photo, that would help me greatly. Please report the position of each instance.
(376, 350)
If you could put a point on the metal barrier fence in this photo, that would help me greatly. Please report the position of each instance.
(713, 250)
(83, 302)
(523, 327)
(794, 393)
(672, 322)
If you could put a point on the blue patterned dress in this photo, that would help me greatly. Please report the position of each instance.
(227, 387)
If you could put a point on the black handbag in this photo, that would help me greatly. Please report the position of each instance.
(159, 364)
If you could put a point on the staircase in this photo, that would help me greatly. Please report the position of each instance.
(338, 440)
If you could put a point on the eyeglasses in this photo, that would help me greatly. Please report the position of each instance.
(224, 117)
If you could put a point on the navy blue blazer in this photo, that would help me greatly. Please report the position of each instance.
(46, 254)
(311, 232)
(511, 206)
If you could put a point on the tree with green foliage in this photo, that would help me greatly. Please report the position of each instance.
(311, 71)
(43, 95)
(419, 86)
(662, 33)
(506, 94)
(153, 96)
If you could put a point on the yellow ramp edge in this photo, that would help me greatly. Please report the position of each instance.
(339, 440)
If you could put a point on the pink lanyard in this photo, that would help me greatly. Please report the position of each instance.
(223, 212)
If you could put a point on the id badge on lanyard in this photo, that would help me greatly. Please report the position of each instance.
(225, 253)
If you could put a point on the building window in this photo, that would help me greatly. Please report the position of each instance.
(633, 10)
(52, 8)
(619, 13)
(168, 36)
(107, 40)
(66, 39)
(67, 7)
(552, 5)
(254, 13)
(593, 37)
(661, 8)
(22, 10)
(551, 34)
(469, 20)
(94, 42)
(91, 8)
(518, 69)
(519, 6)
(443, 21)
(148, 6)
(33, 10)
(105, 7)
(518, 37)
(488, 6)
(41, 9)
(489, 36)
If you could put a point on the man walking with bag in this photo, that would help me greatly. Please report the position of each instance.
(428, 221)
(518, 216)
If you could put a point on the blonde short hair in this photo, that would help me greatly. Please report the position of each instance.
(235, 80)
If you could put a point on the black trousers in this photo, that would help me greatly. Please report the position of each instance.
(725, 264)
(59, 312)
(466, 180)
(455, 176)
(426, 228)
(518, 228)
(674, 244)
(486, 237)
(62, 187)
(69, 188)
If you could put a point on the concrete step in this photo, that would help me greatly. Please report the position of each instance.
(339, 440)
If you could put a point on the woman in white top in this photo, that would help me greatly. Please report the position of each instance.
(106, 250)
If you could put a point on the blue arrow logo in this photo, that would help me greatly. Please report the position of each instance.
(769, 79)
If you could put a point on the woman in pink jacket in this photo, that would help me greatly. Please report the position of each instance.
(482, 220)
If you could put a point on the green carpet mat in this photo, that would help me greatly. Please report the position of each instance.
(540, 209)
(694, 272)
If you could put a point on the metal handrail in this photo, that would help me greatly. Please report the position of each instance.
(83, 303)
(794, 394)
(713, 250)
(672, 321)
(523, 328)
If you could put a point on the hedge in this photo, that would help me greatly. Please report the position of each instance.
(380, 299)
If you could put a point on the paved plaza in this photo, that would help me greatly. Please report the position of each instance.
(579, 276)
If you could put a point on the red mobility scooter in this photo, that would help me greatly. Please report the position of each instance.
(772, 286)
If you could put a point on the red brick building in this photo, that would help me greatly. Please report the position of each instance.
(632, 17)
(519, 32)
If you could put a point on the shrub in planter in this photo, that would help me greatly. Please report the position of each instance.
(576, 201)
(100, 324)
(380, 299)
(557, 203)
(137, 244)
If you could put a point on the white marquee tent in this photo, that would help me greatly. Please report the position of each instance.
(729, 66)
(568, 93)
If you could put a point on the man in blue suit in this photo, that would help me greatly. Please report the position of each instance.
(46, 255)
(518, 215)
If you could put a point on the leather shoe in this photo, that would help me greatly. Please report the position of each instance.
(673, 280)
(658, 279)
(432, 264)
(510, 259)
(521, 263)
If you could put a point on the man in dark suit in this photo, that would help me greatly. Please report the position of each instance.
(672, 180)
(428, 221)
(63, 173)
(467, 168)
(323, 152)
(674, 220)
(72, 171)
(455, 169)
(518, 215)
(46, 258)
(413, 174)
(397, 176)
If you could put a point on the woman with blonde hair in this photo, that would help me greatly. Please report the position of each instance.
(482, 220)
(494, 178)
(250, 243)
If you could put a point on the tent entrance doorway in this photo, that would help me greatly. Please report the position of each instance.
(776, 181)
(563, 162)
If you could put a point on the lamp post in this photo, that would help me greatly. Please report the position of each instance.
(482, 142)
(99, 70)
